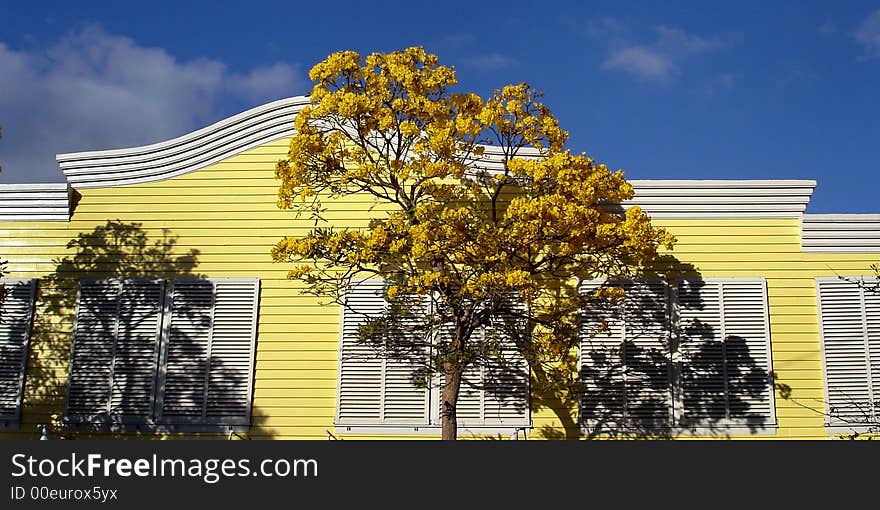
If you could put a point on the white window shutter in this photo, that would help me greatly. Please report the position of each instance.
(747, 352)
(494, 393)
(872, 320)
(94, 338)
(625, 371)
(601, 365)
(700, 342)
(506, 384)
(360, 369)
(404, 401)
(209, 351)
(137, 349)
(376, 389)
(16, 318)
(186, 345)
(114, 351)
(724, 341)
(379, 390)
(233, 351)
(469, 408)
(646, 355)
(849, 324)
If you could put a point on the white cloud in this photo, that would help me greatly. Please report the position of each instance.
(646, 63)
(605, 27)
(456, 41)
(93, 90)
(827, 28)
(275, 81)
(659, 61)
(720, 83)
(489, 61)
(868, 34)
(677, 43)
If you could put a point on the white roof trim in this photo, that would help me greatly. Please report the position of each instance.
(190, 152)
(722, 198)
(35, 202)
(725, 183)
(854, 233)
(157, 162)
(659, 198)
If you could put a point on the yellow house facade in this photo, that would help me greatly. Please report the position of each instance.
(165, 250)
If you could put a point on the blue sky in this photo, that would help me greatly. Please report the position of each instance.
(663, 90)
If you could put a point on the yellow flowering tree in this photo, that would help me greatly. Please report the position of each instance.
(478, 209)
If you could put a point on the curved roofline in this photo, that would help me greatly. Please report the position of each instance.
(195, 150)
(164, 160)
(184, 154)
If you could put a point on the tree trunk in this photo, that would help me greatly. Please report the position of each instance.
(449, 399)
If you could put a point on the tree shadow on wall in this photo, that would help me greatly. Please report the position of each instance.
(642, 384)
(634, 387)
(414, 342)
(15, 297)
(114, 363)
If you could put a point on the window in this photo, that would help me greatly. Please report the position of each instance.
(16, 318)
(172, 354)
(685, 358)
(377, 393)
(849, 320)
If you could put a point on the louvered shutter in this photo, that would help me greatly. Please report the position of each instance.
(494, 393)
(233, 351)
(625, 371)
(469, 407)
(849, 322)
(137, 349)
(360, 369)
(601, 366)
(94, 339)
(375, 389)
(872, 320)
(505, 392)
(724, 341)
(186, 346)
(114, 353)
(747, 352)
(16, 317)
(208, 361)
(403, 401)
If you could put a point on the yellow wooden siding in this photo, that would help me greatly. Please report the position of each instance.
(227, 212)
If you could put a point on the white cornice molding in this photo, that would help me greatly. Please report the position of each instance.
(190, 152)
(35, 202)
(841, 233)
(161, 161)
(659, 198)
(722, 198)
